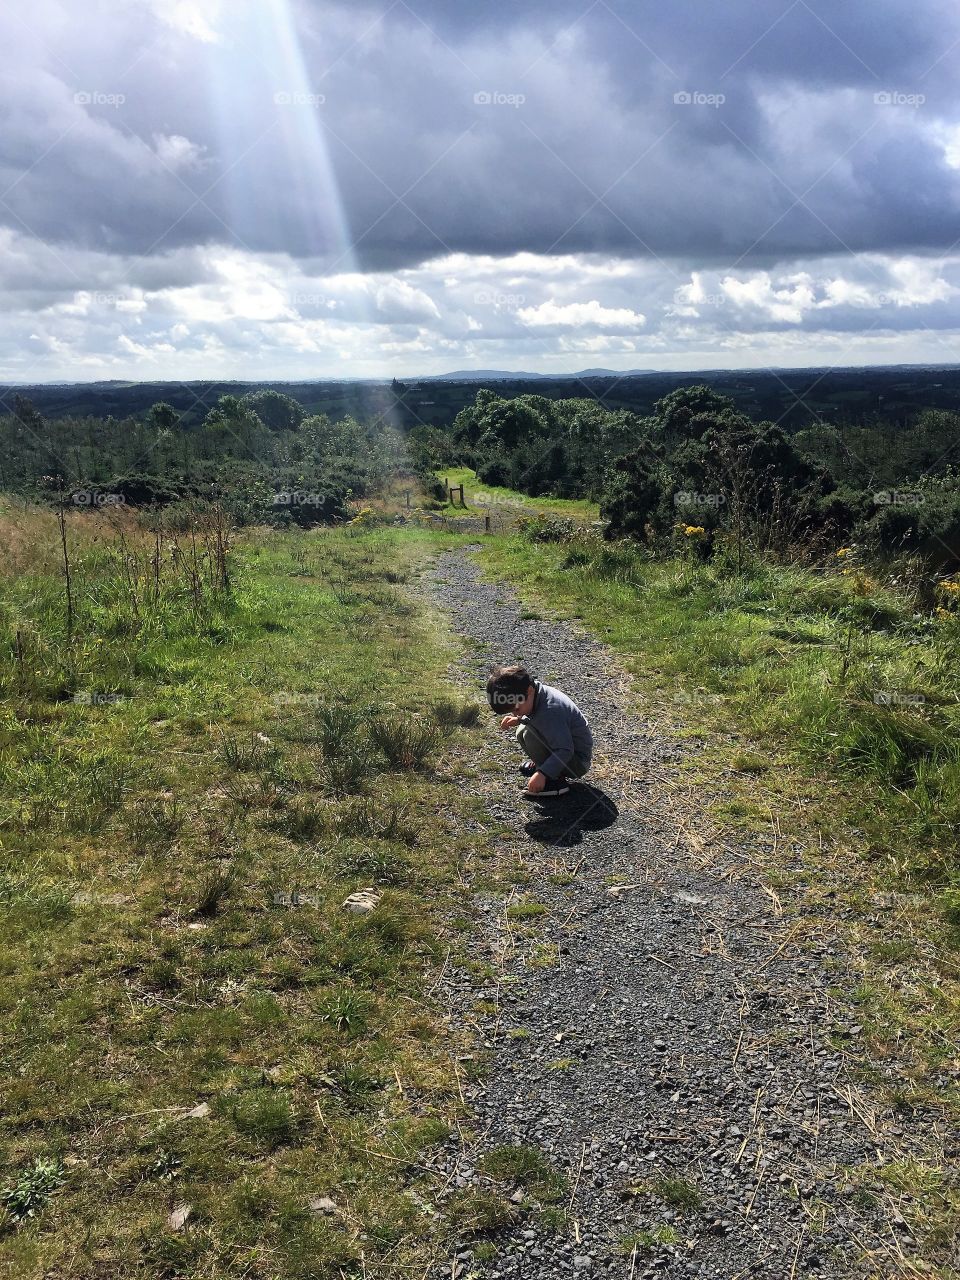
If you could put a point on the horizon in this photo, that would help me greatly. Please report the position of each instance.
(469, 375)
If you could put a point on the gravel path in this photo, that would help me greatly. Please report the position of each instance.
(669, 1030)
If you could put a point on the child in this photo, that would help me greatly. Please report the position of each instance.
(551, 729)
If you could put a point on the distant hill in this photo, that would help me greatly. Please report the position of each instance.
(793, 397)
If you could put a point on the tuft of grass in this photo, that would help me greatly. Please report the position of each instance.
(265, 1116)
(406, 742)
(346, 1009)
(454, 714)
(527, 1167)
(213, 889)
(677, 1192)
(648, 1241)
(525, 910)
(481, 1212)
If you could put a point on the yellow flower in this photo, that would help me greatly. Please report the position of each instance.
(943, 613)
(844, 551)
(692, 530)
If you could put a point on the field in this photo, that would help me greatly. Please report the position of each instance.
(189, 791)
(215, 1069)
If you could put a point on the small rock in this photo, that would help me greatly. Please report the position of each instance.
(178, 1218)
(362, 902)
(322, 1204)
(199, 1112)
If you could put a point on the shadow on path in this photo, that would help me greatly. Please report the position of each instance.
(563, 821)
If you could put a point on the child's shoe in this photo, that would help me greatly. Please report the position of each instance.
(528, 768)
(554, 787)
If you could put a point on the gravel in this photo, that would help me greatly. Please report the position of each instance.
(681, 1034)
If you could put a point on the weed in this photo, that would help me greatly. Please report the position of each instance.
(345, 1008)
(677, 1192)
(374, 821)
(154, 825)
(648, 1241)
(344, 770)
(28, 1197)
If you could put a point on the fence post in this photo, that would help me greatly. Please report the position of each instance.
(486, 524)
(406, 494)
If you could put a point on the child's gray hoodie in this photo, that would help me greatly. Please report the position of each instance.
(563, 727)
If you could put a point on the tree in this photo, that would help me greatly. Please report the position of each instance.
(277, 412)
(163, 416)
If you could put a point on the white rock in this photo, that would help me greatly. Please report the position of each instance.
(178, 1218)
(362, 901)
(321, 1204)
(199, 1112)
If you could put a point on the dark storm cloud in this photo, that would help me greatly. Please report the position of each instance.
(382, 135)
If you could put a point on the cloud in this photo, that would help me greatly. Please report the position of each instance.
(290, 185)
(579, 315)
(177, 152)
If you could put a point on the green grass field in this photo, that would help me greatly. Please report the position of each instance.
(189, 1016)
(233, 739)
(483, 497)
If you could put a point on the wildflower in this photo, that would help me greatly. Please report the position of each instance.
(693, 530)
(844, 551)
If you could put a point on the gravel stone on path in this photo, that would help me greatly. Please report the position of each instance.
(681, 1035)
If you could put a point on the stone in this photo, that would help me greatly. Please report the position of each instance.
(177, 1219)
(362, 902)
(322, 1204)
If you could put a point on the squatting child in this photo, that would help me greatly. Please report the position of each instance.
(550, 728)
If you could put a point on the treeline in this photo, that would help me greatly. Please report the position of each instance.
(699, 468)
(260, 457)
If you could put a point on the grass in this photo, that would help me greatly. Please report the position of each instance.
(482, 498)
(173, 860)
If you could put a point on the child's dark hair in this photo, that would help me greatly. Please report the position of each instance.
(507, 686)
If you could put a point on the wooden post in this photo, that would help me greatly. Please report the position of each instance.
(486, 524)
(406, 494)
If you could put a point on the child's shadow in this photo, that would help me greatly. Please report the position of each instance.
(564, 820)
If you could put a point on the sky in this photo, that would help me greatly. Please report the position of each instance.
(271, 189)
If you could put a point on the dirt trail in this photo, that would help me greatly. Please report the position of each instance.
(667, 1042)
